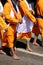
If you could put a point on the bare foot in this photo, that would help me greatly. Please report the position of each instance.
(16, 57)
(36, 44)
(2, 52)
(28, 49)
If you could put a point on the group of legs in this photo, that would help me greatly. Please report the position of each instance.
(9, 36)
(8, 39)
(27, 37)
(36, 31)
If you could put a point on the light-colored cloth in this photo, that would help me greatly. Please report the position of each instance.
(28, 5)
(26, 25)
(1, 7)
(11, 13)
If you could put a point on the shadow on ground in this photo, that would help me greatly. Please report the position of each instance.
(22, 43)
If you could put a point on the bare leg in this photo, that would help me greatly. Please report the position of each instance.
(15, 49)
(28, 47)
(14, 55)
(35, 39)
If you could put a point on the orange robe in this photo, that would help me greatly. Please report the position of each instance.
(39, 9)
(3, 27)
(11, 33)
(25, 11)
(36, 29)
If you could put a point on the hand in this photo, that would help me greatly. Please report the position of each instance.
(20, 21)
(33, 12)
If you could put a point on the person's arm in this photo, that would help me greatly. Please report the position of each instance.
(3, 24)
(6, 13)
(17, 13)
(26, 11)
(30, 7)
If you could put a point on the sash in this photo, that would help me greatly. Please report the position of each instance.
(38, 16)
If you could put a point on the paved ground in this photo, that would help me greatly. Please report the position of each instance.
(27, 58)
